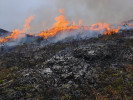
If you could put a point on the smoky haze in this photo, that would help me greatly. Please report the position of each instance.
(14, 12)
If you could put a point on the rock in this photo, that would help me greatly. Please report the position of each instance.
(47, 71)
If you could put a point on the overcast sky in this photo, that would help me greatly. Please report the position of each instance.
(14, 12)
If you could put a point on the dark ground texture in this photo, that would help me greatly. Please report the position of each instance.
(94, 69)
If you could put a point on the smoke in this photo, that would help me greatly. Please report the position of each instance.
(92, 11)
(79, 34)
(14, 12)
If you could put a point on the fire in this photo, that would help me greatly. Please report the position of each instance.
(62, 24)
(18, 33)
(27, 24)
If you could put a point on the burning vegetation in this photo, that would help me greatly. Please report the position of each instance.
(18, 33)
(63, 25)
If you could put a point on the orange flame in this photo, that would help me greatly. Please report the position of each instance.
(60, 25)
(27, 24)
(63, 25)
(17, 33)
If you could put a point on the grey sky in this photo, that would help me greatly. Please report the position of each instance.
(14, 12)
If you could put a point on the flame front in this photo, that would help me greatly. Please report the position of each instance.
(61, 25)
(18, 33)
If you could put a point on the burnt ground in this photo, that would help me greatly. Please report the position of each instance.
(94, 69)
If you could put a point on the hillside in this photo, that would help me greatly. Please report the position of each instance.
(3, 32)
(91, 69)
